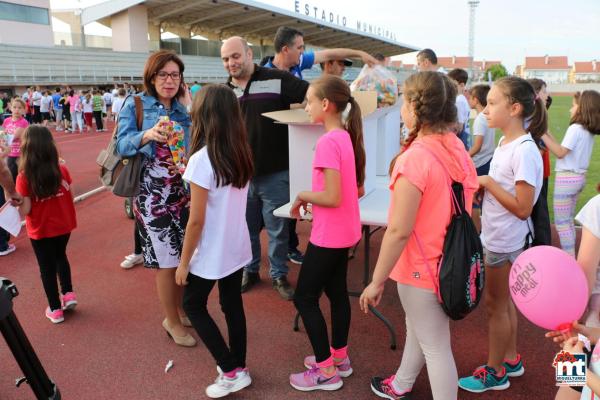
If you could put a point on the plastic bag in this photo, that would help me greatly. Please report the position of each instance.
(379, 79)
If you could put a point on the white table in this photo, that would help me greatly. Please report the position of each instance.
(374, 208)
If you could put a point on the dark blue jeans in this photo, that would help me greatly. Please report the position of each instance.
(265, 195)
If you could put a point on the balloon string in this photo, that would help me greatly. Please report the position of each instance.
(565, 327)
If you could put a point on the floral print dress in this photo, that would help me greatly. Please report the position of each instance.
(161, 210)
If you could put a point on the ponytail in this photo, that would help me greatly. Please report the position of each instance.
(538, 122)
(354, 128)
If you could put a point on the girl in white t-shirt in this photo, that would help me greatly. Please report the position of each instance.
(589, 259)
(574, 155)
(510, 191)
(216, 246)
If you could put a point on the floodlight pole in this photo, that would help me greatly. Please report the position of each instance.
(472, 6)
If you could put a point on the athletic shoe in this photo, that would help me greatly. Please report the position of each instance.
(69, 301)
(9, 249)
(295, 256)
(224, 385)
(313, 379)
(383, 388)
(344, 368)
(514, 370)
(249, 279)
(132, 260)
(55, 316)
(483, 379)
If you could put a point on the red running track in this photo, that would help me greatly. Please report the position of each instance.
(113, 346)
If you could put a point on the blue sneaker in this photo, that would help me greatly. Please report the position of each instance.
(483, 379)
(516, 369)
(295, 256)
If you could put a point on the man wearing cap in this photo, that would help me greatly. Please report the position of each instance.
(335, 67)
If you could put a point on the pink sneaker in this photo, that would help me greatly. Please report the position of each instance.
(69, 301)
(344, 368)
(313, 379)
(55, 316)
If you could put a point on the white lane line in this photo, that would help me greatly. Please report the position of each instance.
(88, 194)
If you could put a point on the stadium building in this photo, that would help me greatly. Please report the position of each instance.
(32, 53)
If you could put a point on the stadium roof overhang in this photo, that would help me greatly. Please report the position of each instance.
(257, 22)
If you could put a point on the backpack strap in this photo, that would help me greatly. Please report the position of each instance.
(436, 284)
(457, 206)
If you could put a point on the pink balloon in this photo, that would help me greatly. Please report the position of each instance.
(548, 287)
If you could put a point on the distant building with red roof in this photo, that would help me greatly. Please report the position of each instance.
(551, 69)
(447, 64)
(585, 71)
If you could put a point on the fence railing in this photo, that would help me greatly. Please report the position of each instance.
(22, 74)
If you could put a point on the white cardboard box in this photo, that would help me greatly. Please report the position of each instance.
(303, 136)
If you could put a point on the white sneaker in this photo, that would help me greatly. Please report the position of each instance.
(132, 260)
(11, 247)
(224, 385)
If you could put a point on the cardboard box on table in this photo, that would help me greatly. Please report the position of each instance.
(303, 136)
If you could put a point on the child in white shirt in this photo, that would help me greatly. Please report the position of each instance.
(574, 155)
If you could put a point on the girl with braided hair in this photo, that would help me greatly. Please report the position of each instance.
(421, 205)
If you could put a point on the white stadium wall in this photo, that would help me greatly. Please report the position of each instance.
(16, 30)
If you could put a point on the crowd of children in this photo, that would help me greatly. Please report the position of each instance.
(502, 181)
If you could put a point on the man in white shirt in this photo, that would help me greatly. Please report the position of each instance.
(36, 99)
(427, 60)
(463, 110)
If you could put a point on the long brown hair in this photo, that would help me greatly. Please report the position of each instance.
(588, 111)
(518, 90)
(337, 92)
(217, 123)
(39, 162)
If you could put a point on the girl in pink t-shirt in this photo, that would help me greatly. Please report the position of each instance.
(337, 180)
(14, 127)
(421, 205)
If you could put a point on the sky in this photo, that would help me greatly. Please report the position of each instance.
(506, 30)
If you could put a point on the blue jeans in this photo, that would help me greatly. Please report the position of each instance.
(4, 236)
(265, 195)
(465, 138)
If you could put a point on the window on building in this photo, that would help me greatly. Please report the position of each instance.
(20, 13)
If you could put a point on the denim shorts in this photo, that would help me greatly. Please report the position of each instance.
(496, 260)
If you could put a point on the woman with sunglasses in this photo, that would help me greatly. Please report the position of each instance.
(161, 207)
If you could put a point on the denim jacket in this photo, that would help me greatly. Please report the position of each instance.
(128, 136)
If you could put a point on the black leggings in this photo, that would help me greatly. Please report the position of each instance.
(98, 118)
(137, 240)
(195, 298)
(51, 254)
(324, 270)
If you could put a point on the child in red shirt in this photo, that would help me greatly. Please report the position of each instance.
(45, 185)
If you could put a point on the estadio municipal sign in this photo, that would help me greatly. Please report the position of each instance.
(324, 15)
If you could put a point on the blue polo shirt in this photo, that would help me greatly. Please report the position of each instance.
(55, 98)
(307, 60)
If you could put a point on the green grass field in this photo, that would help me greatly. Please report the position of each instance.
(558, 122)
